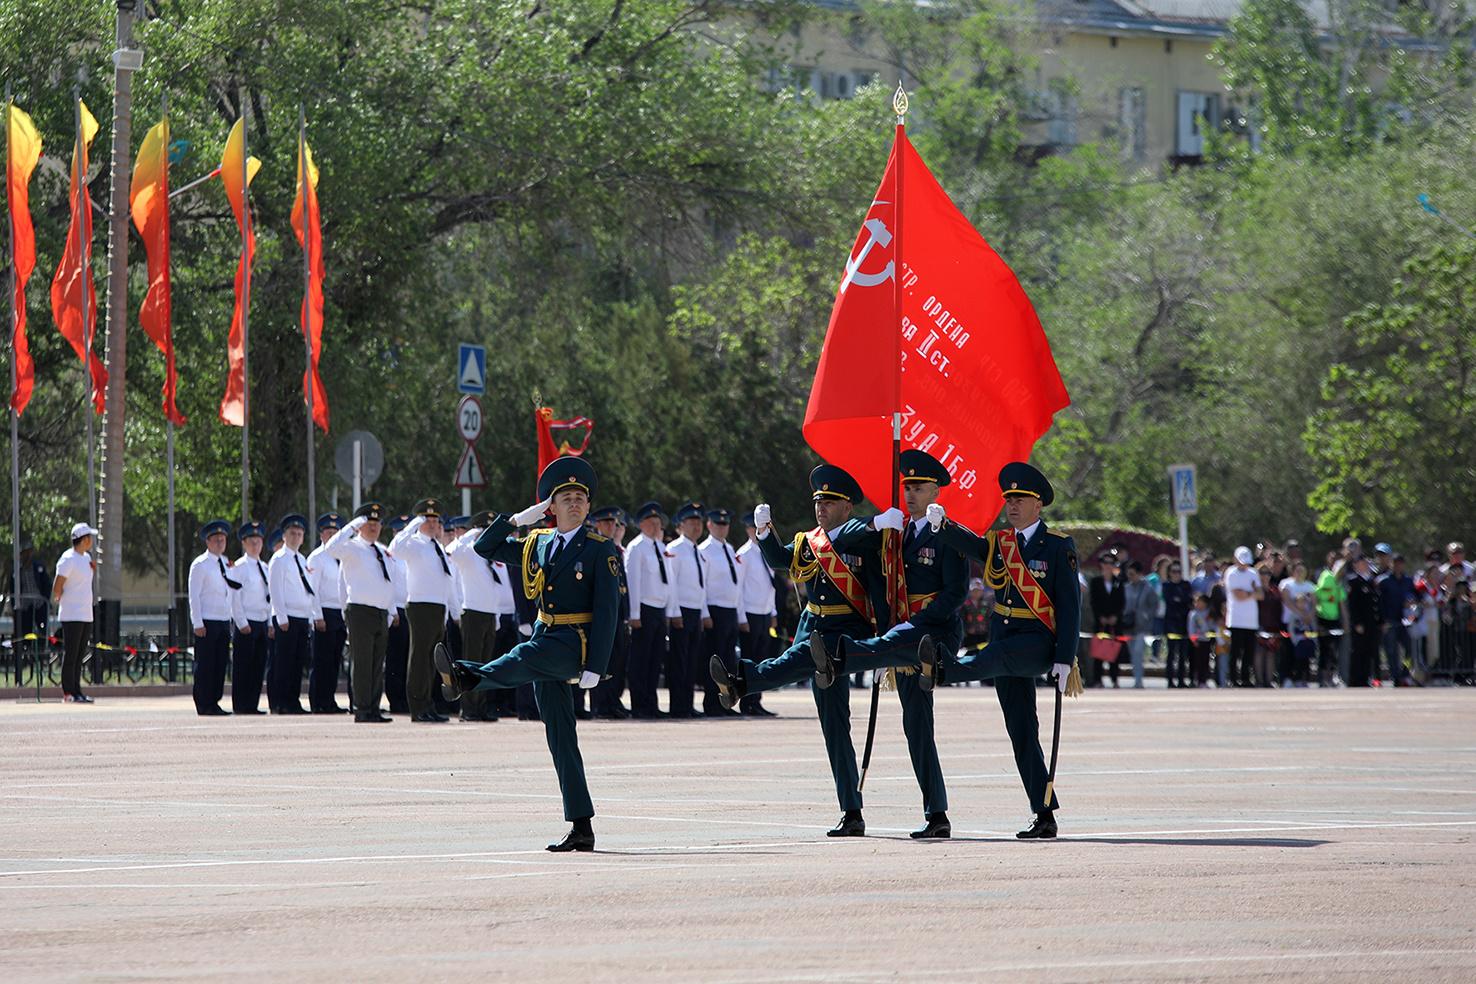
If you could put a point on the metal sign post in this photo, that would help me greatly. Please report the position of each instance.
(469, 473)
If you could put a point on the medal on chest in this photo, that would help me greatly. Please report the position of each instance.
(579, 570)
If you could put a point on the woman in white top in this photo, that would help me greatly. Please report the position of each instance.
(72, 594)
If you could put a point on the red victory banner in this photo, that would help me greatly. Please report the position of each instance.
(73, 294)
(22, 151)
(148, 199)
(232, 165)
(305, 221)
(554, 436)
(965, 360)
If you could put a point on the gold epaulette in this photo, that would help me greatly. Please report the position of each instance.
(1057, 533)
(597, 538)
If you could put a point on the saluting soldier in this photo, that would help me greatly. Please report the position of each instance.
(759, 612)
(648, 579)
(686, 611)
(328, 632)
(847, 594)
(369, 597)
(432, 597)
(294, 609)
(608, 522)
(479, 603)
(937, 580)
(574, 576)
(251, 609)
(1035, 626)
(397, 654)
(211, 586)
(724, 608)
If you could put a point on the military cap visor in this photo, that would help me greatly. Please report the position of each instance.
(650, 509)
(371, 510)
(399, 522)
(1020, 478)
(690, 510)
(481, 519)
(294, 519)
(429, 508)
(274, 537)
(329, 520)
(720, 516)
(567, 472)
(251, 529)
(919, 466)
(608, 512)
(831, 482)
(215, 526)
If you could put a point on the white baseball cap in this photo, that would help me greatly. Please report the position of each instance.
(81, 530)
(1243, 555)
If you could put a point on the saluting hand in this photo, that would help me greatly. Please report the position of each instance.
(532, 514)
(936, 516)
(761, 516)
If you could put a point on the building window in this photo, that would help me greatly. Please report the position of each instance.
(1198, 114)
(1132, 122)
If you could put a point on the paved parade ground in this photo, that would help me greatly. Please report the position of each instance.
(1312, 835)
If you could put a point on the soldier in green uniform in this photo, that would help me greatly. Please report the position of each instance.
(1023, 645)
(937, 581)
(846, 592)
(573, 576)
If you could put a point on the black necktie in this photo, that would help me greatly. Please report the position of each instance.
(442, 556)
(262, 571)
(660, 564)
(910, 535)
(558, 549)
(380, 557)
(492, 566)
(306, 587)
(731, 569)
(236, 585)
(698, 559)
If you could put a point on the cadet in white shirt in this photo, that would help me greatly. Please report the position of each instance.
(398, 652)
(686, 610)
(368, 603)
(759, 608)
(482, 587)
(328, 633)
(649, 589)
(610, 522)
(724, 592)
(294, 609)
(71, 592)
(432, 598)
(211, 587)
(251, 610)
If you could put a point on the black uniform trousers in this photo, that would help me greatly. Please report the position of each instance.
(284, 692)
(74, 644)
(368, 638)
(721, 641)
(427, 627)
(504, 701)
(607, 693)
(755, 645)
(396, 653)
(212, 656)
(478, 645)
(248, 666)
(681, 663)
(643, 661)
(327, 658)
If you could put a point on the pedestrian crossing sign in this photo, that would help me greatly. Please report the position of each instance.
(471, 369)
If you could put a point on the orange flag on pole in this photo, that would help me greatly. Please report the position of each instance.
(977, 384)
(22, 151)
(148, 198)
(305, 221)
(232, 164)
(73, 294)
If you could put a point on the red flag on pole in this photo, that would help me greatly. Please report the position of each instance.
(233, 404)
(310, 236)
(978, 383)
(22, 151)
(148, 198)
(73, 294)
(551, 447)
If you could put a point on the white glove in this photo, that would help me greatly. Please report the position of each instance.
(936, 516)
(892, 519)
(357, 522)
(588, 680)
(1061, 672)
(902, 627)
(761, 516)
(532, 514)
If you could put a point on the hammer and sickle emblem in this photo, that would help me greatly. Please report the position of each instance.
(877, 234)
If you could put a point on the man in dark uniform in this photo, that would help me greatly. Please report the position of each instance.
(1023, 642)
(575, 577)
(846, 593)
(937, 579)
(609, 521)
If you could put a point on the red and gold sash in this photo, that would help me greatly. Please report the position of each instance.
(847, 583)
(1008, 551)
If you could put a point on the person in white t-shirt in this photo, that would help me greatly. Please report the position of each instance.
(72, 594)
(1243, 592)
(1299, 612)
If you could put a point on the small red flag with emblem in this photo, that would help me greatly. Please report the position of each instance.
(73, 294)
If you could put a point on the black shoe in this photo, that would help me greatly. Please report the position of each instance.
(430, 717)
(249, 710)
(849, 826)
(290, 709)
(375, 718)
(937, 827)
(574, 840)
(927, 655)
(529, 716)
(758, 711)
(1043, 827)
(824, 665)
(330, 709)
(730, 688)
(453, 680)
(720, 712)
(207, 712)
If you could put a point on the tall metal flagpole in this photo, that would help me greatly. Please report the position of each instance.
(84, 201)
(245, 318)
(307, 307)
(899, 106)
(174, 629)
(15, 527)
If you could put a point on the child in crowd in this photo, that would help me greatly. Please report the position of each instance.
(1201, 639)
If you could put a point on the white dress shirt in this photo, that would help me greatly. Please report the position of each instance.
(252, 603)
(482, 582)
(758, 581)
(724, 576)
(290, 596)
(427, 568)
(363, 566)
(687, 568)
(400, 579)
(323, 576)
(210, 591)
(647, 574)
